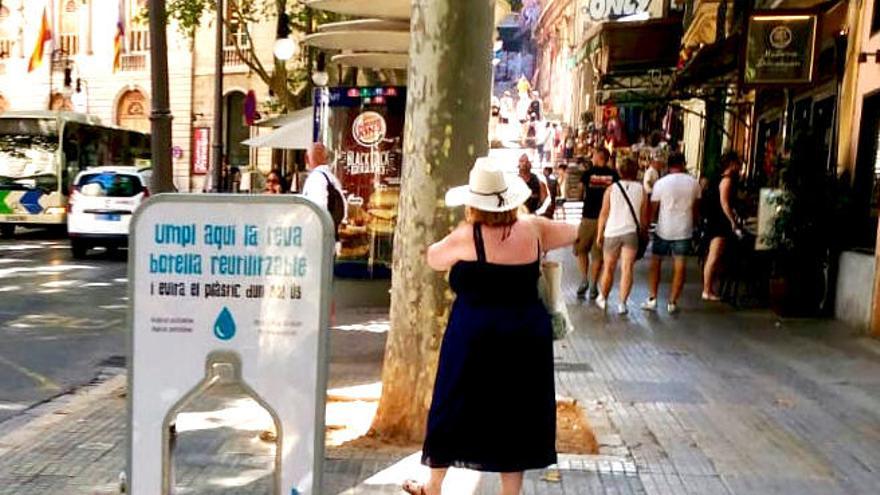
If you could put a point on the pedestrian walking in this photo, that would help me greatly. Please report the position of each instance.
(675, 199)
(493, 406)
(553, 191)
(537, 188)
(654, 170)
(621, 224)
(275, 183)
(535, 107)
(721, 221)
(322, 186)
(594, 182)
(542, 136)
(508, 108)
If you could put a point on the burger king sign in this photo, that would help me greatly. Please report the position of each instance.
(369, 129)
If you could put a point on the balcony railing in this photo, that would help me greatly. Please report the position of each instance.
(69, 44)
(6, 46)
(139, 40)
(232, 59)
(133, 62)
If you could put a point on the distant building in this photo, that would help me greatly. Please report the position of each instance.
(83, 44)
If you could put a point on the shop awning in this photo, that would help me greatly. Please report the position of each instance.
(372, 60)
(634, 47)
(389, 9)
(295, 133)
(715, 65)
(363, 40)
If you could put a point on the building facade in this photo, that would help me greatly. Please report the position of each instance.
(78, 73)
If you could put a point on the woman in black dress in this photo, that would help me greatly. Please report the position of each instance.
(494, 406)
(720, 219)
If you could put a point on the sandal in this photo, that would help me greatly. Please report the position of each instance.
(413, 487)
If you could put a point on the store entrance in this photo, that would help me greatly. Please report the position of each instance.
(865, 192)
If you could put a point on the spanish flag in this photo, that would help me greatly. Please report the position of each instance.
(44, 35)
(119, 40)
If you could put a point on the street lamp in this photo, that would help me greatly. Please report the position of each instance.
(285, 47)
(320, 77)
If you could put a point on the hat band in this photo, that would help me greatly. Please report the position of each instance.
(498, 194)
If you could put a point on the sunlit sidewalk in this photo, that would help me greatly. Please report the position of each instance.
(709, 401)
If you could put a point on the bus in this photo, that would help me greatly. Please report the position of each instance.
(41, 152)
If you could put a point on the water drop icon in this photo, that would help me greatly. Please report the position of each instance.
(224, 326)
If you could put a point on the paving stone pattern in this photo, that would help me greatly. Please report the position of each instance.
(711, 401)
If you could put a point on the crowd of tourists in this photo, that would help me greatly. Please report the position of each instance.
(681, 213)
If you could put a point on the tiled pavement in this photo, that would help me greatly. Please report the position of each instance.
(711, 401)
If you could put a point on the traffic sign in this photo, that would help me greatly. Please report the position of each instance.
(232, 290)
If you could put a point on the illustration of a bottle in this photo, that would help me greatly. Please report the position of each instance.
(221, 437)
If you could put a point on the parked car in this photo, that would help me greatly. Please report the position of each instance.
(102, 201)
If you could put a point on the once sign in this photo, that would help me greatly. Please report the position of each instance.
(603, 10)
(229, 293)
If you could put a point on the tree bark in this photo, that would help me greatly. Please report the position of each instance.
(447, 113)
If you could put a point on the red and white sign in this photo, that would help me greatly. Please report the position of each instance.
(201, 150)
(369, 129)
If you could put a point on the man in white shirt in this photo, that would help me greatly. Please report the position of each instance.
(676, 197)
(319, 178)
(652, 173)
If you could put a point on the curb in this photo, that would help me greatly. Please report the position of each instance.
(38, 420)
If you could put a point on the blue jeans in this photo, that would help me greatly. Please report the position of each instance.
(678, 248)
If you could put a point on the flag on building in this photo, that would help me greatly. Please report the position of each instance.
(43, 36)
(119, 40)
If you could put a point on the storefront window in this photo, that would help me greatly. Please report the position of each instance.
(237, 155)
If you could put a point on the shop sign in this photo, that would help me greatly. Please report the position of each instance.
(224, 302)
(780, 49)
(369, 129)
(201, 147)
(363, 126)
(604, 10)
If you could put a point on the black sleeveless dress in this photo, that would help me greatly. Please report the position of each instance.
(494, 404)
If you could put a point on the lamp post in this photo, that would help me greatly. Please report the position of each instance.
(320, 77)
(217, 158)
(160, 117)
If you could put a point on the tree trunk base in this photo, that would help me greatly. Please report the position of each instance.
(574, 435)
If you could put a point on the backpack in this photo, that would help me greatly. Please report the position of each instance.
(335, 204)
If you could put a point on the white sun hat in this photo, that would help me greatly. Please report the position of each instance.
(489, 189)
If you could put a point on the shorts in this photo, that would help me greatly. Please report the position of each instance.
(614, 244)
(586, 239)
(678, 248)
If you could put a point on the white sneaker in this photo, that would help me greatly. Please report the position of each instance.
(601, 302)
(671, 308)
(650, 304)
(622, 310)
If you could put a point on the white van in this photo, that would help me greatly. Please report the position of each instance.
(102, 201)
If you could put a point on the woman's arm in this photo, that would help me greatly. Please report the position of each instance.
(603, 216)
(445, 253)
(645, 214)
(554, 235)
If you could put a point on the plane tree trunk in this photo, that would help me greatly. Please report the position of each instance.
(447, 111)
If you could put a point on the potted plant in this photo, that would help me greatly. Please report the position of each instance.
(803, 233)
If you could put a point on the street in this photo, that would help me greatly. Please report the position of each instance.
(61, 320)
